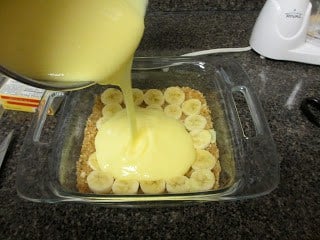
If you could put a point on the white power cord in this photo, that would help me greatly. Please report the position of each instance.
(218, 50)
(198, 53)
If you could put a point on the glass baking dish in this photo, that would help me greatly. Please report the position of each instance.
(250, 167)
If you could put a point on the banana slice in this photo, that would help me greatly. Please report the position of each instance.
(195, 122)
(153, 97)
(110, 109)
(153, 187)
(173, 110)
(213, 135)
(112, 95)
(201, 139)
(137, 96)
(125, 186)
(204, 160)
(202, 180)
(174, 95)
(191, 107)
(180, 184)
(155, 107)
(99, 182)
(92, 162)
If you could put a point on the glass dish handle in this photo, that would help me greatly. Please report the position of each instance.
(32, 171)
(261, 164)
(43, 108)
(258, 168)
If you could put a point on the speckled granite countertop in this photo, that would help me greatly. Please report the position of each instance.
(292, 211)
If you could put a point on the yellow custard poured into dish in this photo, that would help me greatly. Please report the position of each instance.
(81, 40)
(161, 149)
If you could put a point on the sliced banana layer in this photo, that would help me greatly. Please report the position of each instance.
(195, 122)
(112, 95)
(137, 96)
(110, 109)
(153, 187)
(174, 95)
(92, 162)
(100, 182)
(125, 186)
(204, 160)
(173, 110)
(153, 97)
(180, 184)
(200, 176)
(201, 139)
(191, 107)
(202, 180)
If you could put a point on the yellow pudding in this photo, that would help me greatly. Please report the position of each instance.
(73, 40)
(162, 148)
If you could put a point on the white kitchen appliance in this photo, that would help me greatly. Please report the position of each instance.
(288, 30)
